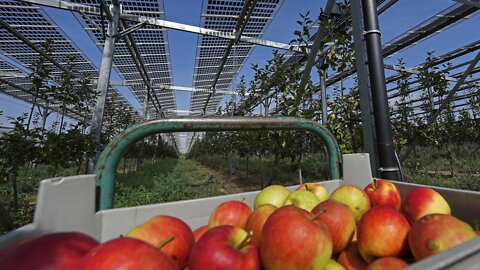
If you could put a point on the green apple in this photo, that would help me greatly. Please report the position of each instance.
(353, 197)
(274, 194)
(333, 265)
(302, 198)
(318, 190)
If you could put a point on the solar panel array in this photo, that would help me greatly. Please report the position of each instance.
(34, 24)
(430, 27)
(222, 15)
(17, 58)
(152, 44)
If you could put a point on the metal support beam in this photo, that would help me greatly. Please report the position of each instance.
(103, 80)
(140, 64)
(454, 90)
(473, 3)
(448, 99)
(323, 96)
(34, 47)
(31, 93)
(242, 20)
(164, 24)
(368, 124)
(416, 71)
(145, 104)
(314, 50)
(45, 114)
(132, 29)
(383, 127)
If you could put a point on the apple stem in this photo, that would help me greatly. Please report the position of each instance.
(166, 241)
(317, 215)
(243, 199)
(244, 241)
(375, 183)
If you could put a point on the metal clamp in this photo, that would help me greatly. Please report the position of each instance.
(372, 32)
(388, 169)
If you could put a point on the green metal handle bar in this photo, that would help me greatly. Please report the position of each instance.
(109, 159)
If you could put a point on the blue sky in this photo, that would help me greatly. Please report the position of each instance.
(398, 19)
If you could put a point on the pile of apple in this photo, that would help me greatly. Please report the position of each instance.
(304, 229)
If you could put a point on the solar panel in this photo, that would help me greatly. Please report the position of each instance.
(152, 44)
(427, 29)
(34, 24)
(222, 15)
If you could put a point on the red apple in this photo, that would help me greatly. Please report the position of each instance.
(159, 228)
(257, 219)
(274, 194)
(383, 192)
(11, 246)
(351, 259)
(224, 247)
(353, 197)
(435, 233)
(317, 189)
(127, 254)
(199, 232)
(52, 251)
(422, 201)
(382, 232)
(388, 263)
(233, 213)
(291, 239)
(339, 220)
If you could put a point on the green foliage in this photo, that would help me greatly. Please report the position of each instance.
(17, 147)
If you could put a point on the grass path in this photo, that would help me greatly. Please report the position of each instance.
(171, 180)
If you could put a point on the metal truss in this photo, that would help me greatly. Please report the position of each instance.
(144, 55)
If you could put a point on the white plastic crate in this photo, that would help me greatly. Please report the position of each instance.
(68, 204)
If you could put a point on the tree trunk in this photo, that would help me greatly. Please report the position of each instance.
(79, 165)
(247, 169)
(275, 169)
(55, 170)
(262, 169)
(34, 103)
(230, 165)
(61, 121)
(5, 219)
(300, 178)
(15, 191)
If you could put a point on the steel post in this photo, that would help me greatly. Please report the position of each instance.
(368, 124)
(145, 104)
(430, 99)
(103, 80)
(45, 114)
(383, 127)
(323, 96)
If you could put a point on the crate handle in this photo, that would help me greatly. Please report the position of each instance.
(106, 167)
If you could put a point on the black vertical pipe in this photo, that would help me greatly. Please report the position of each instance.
(383, 128)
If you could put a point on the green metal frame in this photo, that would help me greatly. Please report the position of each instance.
(109, 159)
